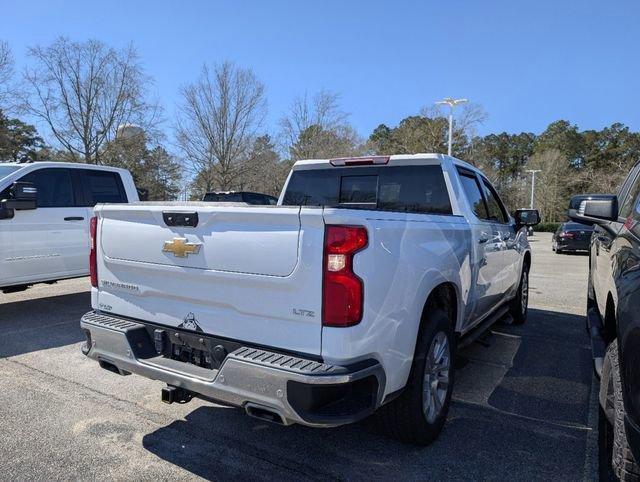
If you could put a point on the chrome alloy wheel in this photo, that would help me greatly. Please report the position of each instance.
(524, 295)
(436, 377)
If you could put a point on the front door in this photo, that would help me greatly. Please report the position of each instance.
(52, 241)
(509, 259)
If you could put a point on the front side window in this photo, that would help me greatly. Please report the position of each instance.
(412, 189)
(474, 195)
(629, 201)
(55, 188)
(496, 210)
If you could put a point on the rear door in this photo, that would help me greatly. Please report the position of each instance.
(487, 249)
(51, 241)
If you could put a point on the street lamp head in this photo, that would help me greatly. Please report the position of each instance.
(451, 102)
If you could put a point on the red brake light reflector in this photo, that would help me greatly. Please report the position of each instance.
(93, 261)
(360, 161)
(342, 289)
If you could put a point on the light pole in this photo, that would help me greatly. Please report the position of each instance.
(533, 183)
(451, 103)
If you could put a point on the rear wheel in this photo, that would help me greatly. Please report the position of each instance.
(419, 413)
(622, 460)
(520, 305)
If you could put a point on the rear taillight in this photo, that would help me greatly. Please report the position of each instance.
(342, 289)
(93, 261)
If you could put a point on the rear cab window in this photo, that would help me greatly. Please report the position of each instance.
(102, 187)
(410, 189)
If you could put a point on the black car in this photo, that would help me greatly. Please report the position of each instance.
(241, 197)
(613, 316)
(572, 236)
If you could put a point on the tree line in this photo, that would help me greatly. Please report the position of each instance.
(82, 93)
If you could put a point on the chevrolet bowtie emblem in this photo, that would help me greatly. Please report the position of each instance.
(180, 247)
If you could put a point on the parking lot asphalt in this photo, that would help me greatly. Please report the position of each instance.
(523, 406)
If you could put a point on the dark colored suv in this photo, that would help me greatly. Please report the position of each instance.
(613, 316)
(241, 197)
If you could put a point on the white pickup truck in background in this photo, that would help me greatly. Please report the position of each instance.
(349, 296)
(45, 208)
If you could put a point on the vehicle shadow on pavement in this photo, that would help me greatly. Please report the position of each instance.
(526, 418)
(41, 323)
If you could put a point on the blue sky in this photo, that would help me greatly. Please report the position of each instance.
(527, 62)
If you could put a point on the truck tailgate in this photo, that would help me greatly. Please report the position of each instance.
(246, 273)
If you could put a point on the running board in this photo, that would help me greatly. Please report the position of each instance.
(479, 330)
(598, 344)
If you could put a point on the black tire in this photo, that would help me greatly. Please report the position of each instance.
(519, 307)
(622, 460)
(406, 418)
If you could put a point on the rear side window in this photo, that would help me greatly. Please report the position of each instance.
(55, 187)
(414, 189)
(102, 187)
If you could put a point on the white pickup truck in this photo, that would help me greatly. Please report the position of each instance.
(349, 296)
(45, 208)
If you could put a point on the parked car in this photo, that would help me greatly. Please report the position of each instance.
(45, 209)
(614, 319)
(349, 297)
(572, 237)
(241, 197)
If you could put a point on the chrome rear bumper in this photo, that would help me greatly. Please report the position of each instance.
(298, 390)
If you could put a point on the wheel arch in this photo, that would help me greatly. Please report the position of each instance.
(609, 319)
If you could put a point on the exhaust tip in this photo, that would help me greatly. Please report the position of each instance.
(264, 413)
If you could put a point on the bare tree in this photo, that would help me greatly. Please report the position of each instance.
(217, 121)
(84, 90)
(550, 195)
(6, 74)
(466, 120)
(317, 127)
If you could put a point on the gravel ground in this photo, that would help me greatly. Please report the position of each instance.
(524, 407)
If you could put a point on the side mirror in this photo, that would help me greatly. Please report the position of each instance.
(22, 196)
(601, 210)
(24, 191)
(527, 217)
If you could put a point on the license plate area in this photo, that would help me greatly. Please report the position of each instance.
(192, 348)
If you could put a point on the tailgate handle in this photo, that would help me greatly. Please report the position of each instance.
(180, 219)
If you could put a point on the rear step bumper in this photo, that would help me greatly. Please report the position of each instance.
(287, 389)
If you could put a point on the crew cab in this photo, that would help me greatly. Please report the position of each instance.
(45, 209)
(613, 317)
(349, 296)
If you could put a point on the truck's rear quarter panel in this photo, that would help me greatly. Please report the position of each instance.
(407, 256)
